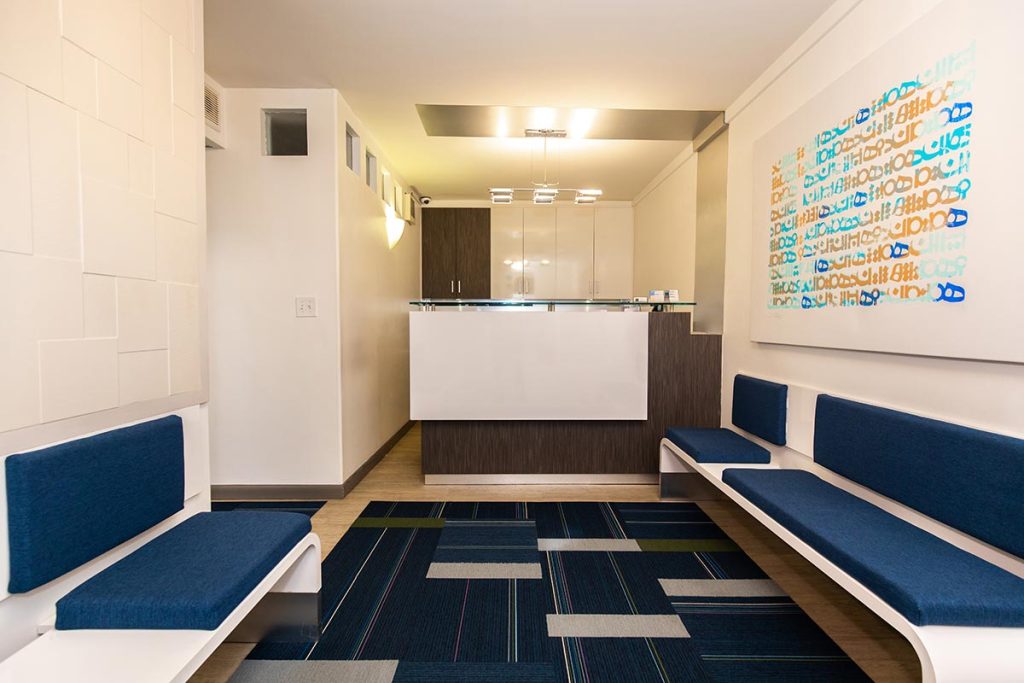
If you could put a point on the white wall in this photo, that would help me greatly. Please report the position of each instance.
(709, 255)
(303, 400)
(985, 394)
(101, 236)
(275, 410)
(376, 285)
(665, 229)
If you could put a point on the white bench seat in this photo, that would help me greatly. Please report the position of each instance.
(152, 655)
(158, 611)
(874, 448)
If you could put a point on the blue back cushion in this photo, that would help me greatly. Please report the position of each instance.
(969, 479)
(72, 502)
(759, 407)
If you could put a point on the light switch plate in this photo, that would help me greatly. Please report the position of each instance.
(305, 307)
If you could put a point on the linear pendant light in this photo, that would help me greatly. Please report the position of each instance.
(545, 191)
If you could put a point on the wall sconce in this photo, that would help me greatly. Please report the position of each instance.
(394, 224)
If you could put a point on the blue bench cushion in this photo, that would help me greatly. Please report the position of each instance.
(967, 478)
(759, 407)
(70, 503)
(924, 578)
(718, 445)
(190, 577)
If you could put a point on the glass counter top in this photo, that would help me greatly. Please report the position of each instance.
(521, 303)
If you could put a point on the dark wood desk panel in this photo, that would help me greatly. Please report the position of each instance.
(684, 389)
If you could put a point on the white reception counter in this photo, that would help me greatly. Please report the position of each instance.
(528, 364)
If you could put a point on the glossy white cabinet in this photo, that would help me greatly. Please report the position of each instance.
(613, 252)
(575, 252)
(569, 252)
(506, 252)
(539, 253)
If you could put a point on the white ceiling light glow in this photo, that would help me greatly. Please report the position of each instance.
(546, 190)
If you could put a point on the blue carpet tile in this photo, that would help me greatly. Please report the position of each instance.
(603, 592)
(305, 507)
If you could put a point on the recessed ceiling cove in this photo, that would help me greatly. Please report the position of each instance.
(484, 121)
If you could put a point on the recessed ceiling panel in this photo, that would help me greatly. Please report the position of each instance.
(387, 55)
(481, 121)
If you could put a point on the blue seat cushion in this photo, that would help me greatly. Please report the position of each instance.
(759, 407)
(924, 578)
(190, 577)
(718, 445)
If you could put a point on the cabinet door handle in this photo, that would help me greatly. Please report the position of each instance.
(597, 287)
(460, 286)
(453, 286)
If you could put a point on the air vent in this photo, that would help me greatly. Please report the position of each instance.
(212, 105)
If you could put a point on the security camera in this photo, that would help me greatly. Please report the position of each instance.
(425, 201)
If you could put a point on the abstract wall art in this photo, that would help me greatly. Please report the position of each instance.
(885, 206)
(873, 210)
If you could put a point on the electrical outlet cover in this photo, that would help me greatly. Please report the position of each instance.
(305, 307)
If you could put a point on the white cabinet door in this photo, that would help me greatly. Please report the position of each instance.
(575, 252)
(506, 252)
(613, 252)
(539, 253)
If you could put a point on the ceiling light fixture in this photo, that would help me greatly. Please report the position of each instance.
(545, 191)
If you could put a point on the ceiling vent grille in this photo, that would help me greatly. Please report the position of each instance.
(212, 105)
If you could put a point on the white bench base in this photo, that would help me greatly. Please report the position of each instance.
(948, 654)
(152, 656)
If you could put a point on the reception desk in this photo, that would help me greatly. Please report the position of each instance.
(555, 392)
(561, 365)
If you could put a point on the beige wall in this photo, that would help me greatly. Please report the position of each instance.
(102, 232)
(376, 285)
(983, 394)
(665, 228)
(709, 267)
(275, 410)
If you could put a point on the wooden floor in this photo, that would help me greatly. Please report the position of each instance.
(882, 652)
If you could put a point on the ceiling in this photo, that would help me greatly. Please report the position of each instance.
(387, 56)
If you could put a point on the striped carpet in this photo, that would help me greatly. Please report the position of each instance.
(543, 592)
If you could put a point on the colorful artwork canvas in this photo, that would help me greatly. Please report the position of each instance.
(884, 208)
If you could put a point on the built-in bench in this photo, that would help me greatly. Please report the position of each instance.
(921, 520)
(758, 408)
(159, 612)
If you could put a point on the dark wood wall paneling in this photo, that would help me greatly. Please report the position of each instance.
(684, 390)
(456, 253)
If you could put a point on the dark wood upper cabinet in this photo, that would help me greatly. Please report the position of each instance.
(473, 228)
(439, 254)
(456, 253)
